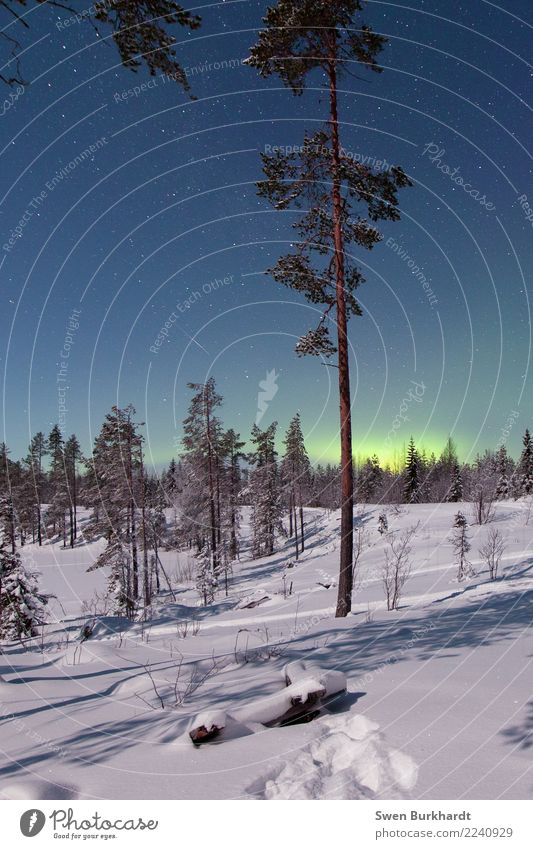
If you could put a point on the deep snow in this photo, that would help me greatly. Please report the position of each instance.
(439, 701)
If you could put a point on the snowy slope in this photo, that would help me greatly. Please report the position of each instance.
(439, 701)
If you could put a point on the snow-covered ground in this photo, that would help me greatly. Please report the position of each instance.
(439, 702)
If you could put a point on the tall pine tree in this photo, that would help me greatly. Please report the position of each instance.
(116, 494)
(302, 36)
(34, 464)
(58, 482)
(232, 453)
(73, 457)
(202, 459)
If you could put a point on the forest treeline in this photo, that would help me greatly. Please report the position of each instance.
(196, 503)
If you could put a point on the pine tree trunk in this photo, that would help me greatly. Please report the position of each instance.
(219, 511)
(212, 509)
(13, 530)
(71, 525)
(344, 598)
(130, 604)
(74, 505)
(295, 522)
(233, 534)
(146, 569)
(135, 562)
(156, 567)
(133, 521)
(290, 514)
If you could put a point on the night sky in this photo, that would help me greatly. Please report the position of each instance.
(161, 217)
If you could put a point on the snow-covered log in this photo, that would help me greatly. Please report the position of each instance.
(289, 703)
(308, 687)
(332, 680)
(208, 725)
(255, 603)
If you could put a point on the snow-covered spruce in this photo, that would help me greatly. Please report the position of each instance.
(21, 602)
(265, 491)
(461, 546)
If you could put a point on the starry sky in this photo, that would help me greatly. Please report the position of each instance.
(138, 243)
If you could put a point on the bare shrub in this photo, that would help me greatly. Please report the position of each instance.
(266, 650)
(185, 686)
(361, 541)
(369, 615)
(286, 589)
(186, 627)
(397, 566)
(492, 552)
(185, 572)
(98, 605)
(482, 506)
(187, 680)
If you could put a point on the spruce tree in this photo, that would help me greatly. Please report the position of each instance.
(170, 482)
(456, 488)
(265, 491)
(302, 36)
(461, 546)
(232, 453)
(8, 518)
(503, 486)
(4, 467)
(8, 527)
(525, 466)
(448, 458)
(440, 472)
(412, 475)
(206, 574)
(19, 491)
(295, 470)
(369, 480)
(21, 602)
(59, 500)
